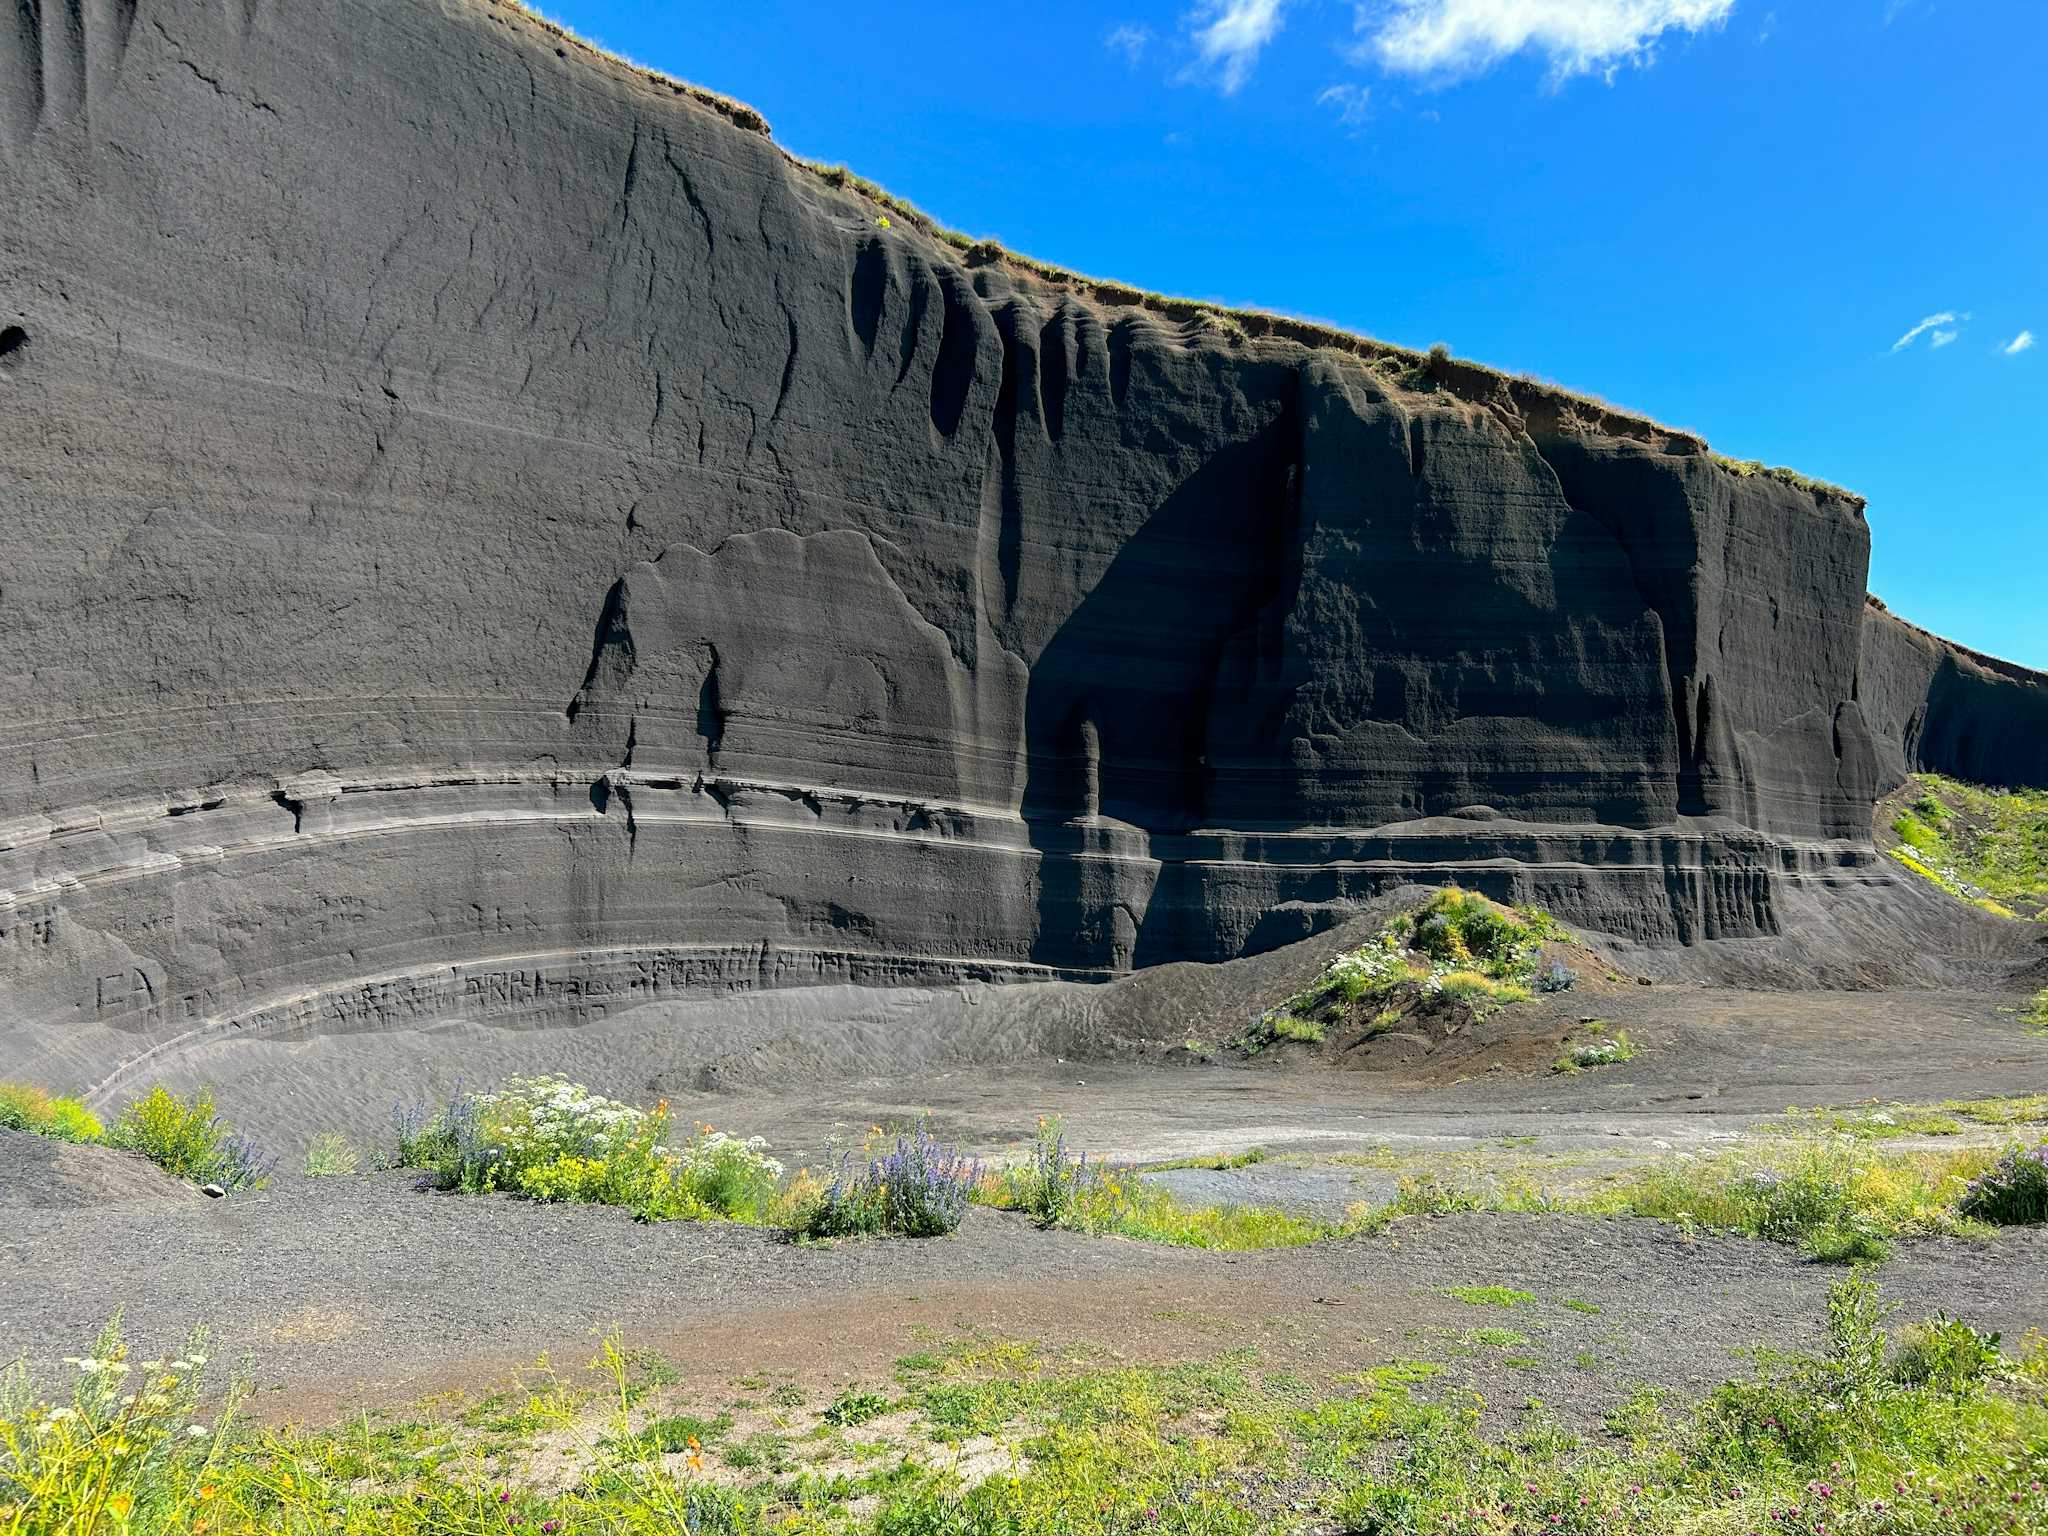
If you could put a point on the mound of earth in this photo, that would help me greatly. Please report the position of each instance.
(1454, 985)
(44, 1173)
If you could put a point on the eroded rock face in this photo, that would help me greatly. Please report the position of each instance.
(1943, 708)
(490, 536)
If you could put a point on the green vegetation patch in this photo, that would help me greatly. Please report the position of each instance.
(1987, 846)
(1939, 1429)
(25, 1107)
(1457, 948)
(186, 1138)
(1489, 1295)
(1597, 1049)
(1065, 1189)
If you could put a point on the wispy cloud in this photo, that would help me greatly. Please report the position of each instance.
(1947, 318)
(1130, 41)
(1942, 338)
(1351, 103)
(1452, 38)
(2021, 343)
(1230, 34)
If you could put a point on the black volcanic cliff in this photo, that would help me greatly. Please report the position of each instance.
(488, 534)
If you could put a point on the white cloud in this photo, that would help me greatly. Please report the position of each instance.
(1230, 34)
(1351, 103)
(1942, 338)
(1947, 317)
(1450, 38)
(1129, 41)
(2020, 343)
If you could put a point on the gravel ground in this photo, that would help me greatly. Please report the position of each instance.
(359, 1291)
(364, 1291)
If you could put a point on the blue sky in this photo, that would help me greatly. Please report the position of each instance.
(1814, 230)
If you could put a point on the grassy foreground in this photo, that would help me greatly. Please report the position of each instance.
(1935, 1429)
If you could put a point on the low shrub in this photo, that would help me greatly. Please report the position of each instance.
(553, 1140)
(1557, 977)
(424, 1136)
(854, 1407)
(1945, 1354)
(2013, 1191)
(919, 1188)
(190, 1140)
(25, 1107)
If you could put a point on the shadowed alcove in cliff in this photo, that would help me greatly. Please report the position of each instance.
(1117, 710)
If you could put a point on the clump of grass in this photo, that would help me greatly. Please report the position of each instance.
(1285, 1026)
(1220, 1162)
(682, 1434)
(25, 1107)
(1744, 469)
(1489, 1295)
(189, 1140)
(2016, 1109)
(1068, 1191)
(1888, 1123)
(1601, 1051)
(1834, 1199)
(332, 1154)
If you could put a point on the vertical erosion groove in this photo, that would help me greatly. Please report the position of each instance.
(1120, 363)
(865, 292)
(21, 72)
(1053, 368)
(913, 321)
(953, 373)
